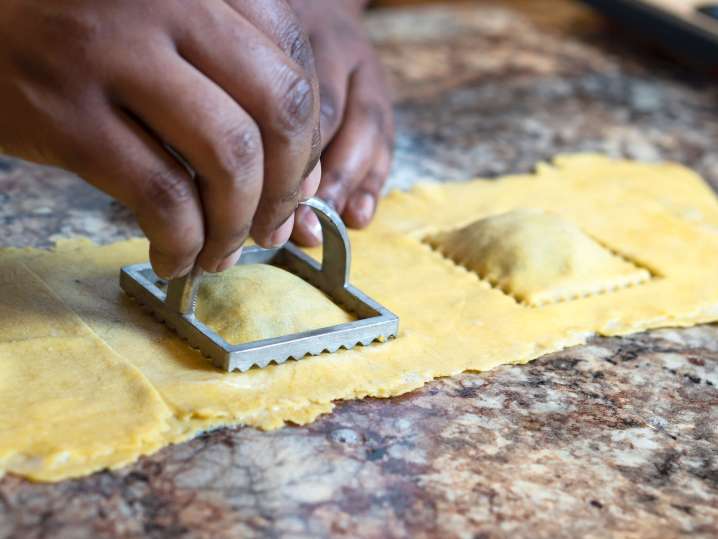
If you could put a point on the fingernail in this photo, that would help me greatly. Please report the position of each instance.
(183, 272)
(313, 226)
(175, 274)
(230, 261)
(311, 182)
(280, 236)
(363, 207)
(164, 275)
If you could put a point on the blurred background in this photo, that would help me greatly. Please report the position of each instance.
(686, 29)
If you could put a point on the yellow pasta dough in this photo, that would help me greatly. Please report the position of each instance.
(537, 256)
(68, 404)
(615, 223)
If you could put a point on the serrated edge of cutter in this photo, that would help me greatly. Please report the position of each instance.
(311, 351)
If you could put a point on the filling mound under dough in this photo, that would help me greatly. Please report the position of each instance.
(537, 256)
(253, 302)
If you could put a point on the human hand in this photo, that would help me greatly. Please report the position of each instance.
(116, 90)
(357, 121)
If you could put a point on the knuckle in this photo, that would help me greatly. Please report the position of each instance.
(166, 189)
(296, 104)
(295, 43)
(290, 198)
(283, 204)
(79, 28)
(375, 113)
(240, 153)
(336, 186)
(277, 209)
(228, 241)
(37, 69)
(328, 108)
(315, 153)
(338, 176)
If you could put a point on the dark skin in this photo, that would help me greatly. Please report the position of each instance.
(206, 118)
(356, 116)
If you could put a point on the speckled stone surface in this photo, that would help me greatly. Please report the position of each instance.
(618, 438)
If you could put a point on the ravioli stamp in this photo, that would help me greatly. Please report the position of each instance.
(537, 257)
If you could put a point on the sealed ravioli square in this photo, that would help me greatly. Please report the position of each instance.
(538, 257)
(258, 301)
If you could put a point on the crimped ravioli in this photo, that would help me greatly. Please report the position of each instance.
(258, 301)
(537, 256)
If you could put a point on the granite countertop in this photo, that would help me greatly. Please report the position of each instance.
(617, 438)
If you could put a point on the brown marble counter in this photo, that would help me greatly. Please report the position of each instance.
(618, 438)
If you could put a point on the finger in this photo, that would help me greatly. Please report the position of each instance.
(311, 183)
(279, 22)
(276, 93)
(362, 203)
(147, 179)
(334, 74)
(307, 229)
(282, 234)
(219, 140)
(349, 157)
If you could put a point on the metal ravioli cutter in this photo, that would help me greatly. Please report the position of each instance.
(174, 302)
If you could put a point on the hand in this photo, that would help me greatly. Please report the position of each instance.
(357, 120)
(117, 90)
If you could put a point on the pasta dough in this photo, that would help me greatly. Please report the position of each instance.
(256, 302)
(452, 320)
(536, 256)
(68, 403)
